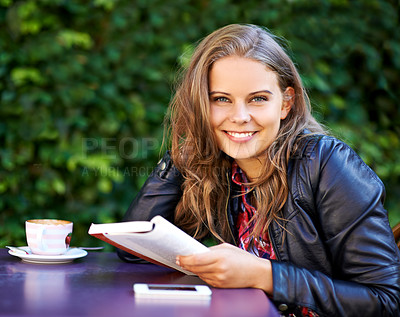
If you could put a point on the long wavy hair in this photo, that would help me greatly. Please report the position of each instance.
(202, 209)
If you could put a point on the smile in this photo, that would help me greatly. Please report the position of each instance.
(240, 135)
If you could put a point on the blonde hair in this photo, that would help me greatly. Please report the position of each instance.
(203, 207)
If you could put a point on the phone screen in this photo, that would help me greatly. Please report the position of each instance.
(172, 288)
(179, 291)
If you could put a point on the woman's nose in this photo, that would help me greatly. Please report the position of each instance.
(240, 113)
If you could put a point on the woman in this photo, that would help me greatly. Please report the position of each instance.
(298, 213)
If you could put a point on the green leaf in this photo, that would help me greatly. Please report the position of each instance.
(25, 75)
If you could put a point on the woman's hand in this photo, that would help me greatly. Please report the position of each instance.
(227, 266)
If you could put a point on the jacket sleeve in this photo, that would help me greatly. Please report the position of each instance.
(159, 196)
(365, 273)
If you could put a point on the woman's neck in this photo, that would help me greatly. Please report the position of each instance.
(251, 167)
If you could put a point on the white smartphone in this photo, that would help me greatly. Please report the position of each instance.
(175, 291)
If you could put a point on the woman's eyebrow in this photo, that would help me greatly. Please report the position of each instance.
(262, 91)
(218, 92)
(250, 94)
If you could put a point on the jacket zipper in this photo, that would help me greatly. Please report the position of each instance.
(273, 244)
(226, 208)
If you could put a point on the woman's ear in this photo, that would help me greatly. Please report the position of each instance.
(288, 101)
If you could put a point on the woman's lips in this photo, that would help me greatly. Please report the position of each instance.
(240, 136)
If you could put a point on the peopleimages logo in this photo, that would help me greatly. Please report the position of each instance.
(127, 148)
(99, 154)
(118, 172)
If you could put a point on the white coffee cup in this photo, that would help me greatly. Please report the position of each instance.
(48, 236)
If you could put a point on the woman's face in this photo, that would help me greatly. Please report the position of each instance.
(247, 106)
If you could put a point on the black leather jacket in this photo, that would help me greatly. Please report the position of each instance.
(339, 257)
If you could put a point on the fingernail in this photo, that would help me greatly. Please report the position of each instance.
(177, 261)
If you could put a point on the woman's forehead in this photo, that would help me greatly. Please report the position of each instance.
(241, 73)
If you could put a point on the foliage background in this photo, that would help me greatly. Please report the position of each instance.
(84, 86)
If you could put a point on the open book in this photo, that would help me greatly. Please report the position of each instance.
(157, 241)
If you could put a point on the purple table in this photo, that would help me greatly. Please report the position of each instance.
(100, 284)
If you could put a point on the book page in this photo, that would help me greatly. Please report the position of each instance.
(121, 227)
(162, 244)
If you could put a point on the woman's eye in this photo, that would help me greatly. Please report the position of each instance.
(260, 99)
(221, 99)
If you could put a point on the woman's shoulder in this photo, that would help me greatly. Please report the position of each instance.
(321, 151)
(308, 144)
(166, 170)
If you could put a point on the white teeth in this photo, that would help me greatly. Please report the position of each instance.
(240, 135)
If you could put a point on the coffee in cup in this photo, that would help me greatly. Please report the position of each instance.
(48, 236)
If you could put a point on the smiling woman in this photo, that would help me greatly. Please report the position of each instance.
(239, 72)
(297, 213)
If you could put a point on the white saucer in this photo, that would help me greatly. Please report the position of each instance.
(67, 257)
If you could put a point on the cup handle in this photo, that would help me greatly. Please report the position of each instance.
(68, 240)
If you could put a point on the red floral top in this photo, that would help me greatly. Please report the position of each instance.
(261, 247)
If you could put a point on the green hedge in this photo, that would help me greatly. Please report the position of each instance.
(84, 86)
